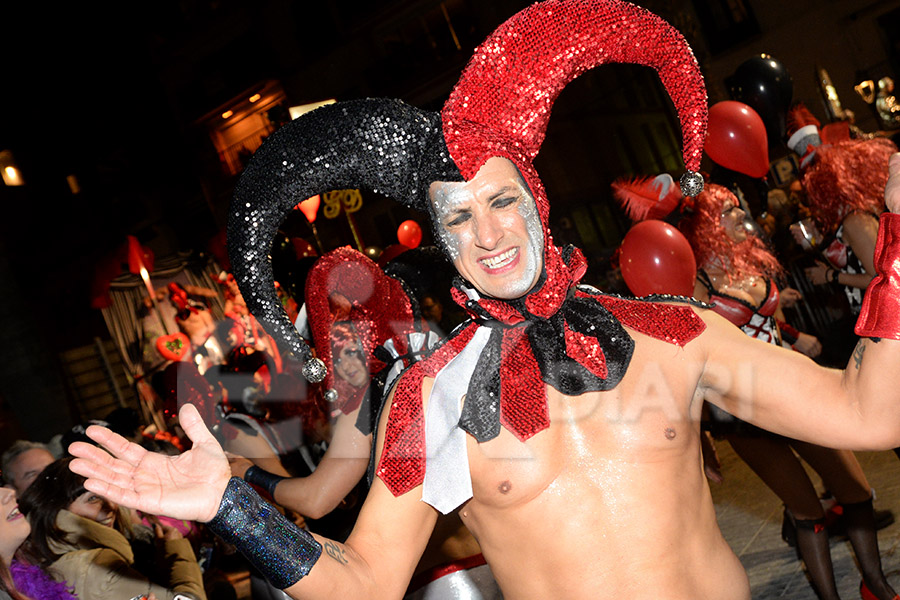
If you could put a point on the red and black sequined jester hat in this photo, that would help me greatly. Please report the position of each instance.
(558, 334)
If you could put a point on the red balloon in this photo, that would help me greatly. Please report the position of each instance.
(656, 258)
(737, 138)
(409, 234)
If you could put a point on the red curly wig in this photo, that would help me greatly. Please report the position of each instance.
(713, 246)
(343, 334)
(845, 175)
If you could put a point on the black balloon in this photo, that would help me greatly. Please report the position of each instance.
(764, 85)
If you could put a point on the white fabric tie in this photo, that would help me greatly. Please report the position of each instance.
(447, 480)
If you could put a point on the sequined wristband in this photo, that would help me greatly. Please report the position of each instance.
(279, 549)
(262, 478)
(880, 314)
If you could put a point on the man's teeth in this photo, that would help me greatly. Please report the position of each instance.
(500, 260)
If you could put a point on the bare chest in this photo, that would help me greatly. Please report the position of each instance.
(648, 419)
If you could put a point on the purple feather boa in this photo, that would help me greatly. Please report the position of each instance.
(35, 583)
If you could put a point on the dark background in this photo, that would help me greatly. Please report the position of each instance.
(116, 94)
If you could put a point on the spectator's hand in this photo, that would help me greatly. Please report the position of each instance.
(790, 297)
(188, 486)
(808, 345)
(818, 274)
(892, 189)
(166, 532)
(239, 464)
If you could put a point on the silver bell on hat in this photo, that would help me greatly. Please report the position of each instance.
(691, 184)
(314, 370)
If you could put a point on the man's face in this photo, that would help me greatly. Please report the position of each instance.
(350, 366)
(27, 466)
(492, 230)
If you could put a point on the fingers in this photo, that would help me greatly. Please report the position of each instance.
(112, 473)
(92, 460)
(116, 444)
(119, 495)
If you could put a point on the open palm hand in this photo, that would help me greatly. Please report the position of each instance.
(188, 486)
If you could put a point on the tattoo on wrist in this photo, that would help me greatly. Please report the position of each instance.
(858, 353)
(335, 552)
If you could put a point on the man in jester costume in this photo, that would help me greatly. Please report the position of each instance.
(561, 423)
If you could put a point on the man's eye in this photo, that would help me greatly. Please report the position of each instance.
(458, 220)
(504, 202)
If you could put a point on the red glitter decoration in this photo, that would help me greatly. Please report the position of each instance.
(504, 97)
(378, 308)
(588, 354)
(523, 396)
(502, 102)
(880, 314)
(671, 323)
(402, 465)
(524, 409)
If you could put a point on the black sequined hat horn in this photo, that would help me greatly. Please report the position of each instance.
(382, 145)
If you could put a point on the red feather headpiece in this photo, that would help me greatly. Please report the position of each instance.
(647, 197)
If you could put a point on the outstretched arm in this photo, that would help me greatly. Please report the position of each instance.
(319, 493)
(779, 390)
(377, 560)
(340, 469)
(787, 393)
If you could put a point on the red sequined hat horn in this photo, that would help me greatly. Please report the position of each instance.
(502, 102)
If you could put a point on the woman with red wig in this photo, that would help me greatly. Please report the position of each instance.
(844, 181)
(737, 273)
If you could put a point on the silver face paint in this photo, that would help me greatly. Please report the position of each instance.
(445, 199)
(484, 237)
(529, 212)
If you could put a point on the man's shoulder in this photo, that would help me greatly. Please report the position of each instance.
(667, 317)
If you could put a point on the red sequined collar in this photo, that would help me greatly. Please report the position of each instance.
(567, 337)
